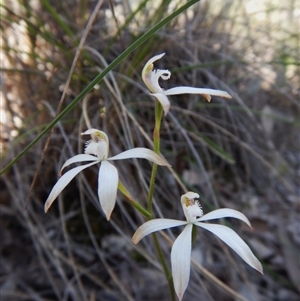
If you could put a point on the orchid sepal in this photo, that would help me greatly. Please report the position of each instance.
(163, 100)
(141, 153)
(107, 187)
(223, 213)
(181, 260)
(153, 226)
(193, 90)
(77, 159)
(235, 242)
(63, 182)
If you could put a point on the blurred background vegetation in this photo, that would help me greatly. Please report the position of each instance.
(241, 153)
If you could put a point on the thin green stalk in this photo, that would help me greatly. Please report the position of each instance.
(100, 77)
(156, 141)
(156, 132)
(134, 203)
(151, 188)
(165, 267)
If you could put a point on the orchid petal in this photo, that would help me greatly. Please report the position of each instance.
(224, 212)
(63, 182)
(107, 187)
(142, 153)
(78, 158)
(163, 100)
(181, 260)
(235, 242)
(192, 90)
(153, 226)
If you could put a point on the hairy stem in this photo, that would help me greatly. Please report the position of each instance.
(134, 203)
(156, 141)
(165, 267)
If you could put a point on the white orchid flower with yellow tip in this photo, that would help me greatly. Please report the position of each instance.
(151, 78)
(97, 151)
(181, 250)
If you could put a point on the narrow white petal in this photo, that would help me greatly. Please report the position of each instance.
(107, 187)
(181, 260)
(235, 242)
(153, 226)
(163, 100)
(78, 158)
(142, 153)
(62, 183)
(225, 212)
(192, 90)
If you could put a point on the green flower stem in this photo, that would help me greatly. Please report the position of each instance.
(100, 77)
(134, 203)
(151, 188)
(156, 141)
(156, 132)
(165, 267)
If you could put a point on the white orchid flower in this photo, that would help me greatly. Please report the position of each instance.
(181, 250)
(151, 78)
(97, 151)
